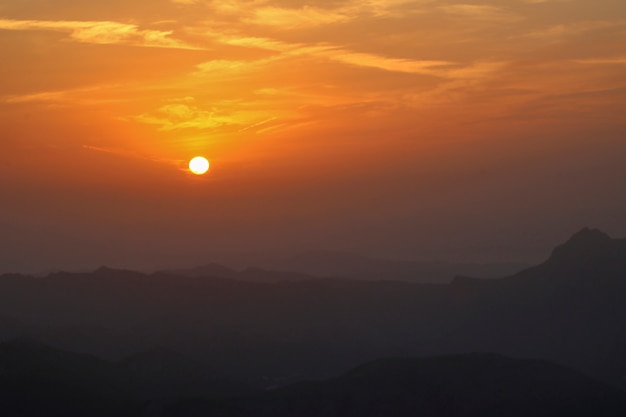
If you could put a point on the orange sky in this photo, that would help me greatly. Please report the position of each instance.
(415, 129)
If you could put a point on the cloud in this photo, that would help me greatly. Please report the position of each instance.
(236, 6)
(259, 124)
(386, 7)
(82, 96)
(480, 11)
(185, 115)
(385, 63)
(304, 17)
(220, 65)
(558, 32)
(338, 54)
(102, 32)
(545, 1)
(619, 60)
(278, 16)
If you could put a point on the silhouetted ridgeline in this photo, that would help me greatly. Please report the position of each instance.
(569, 310)
(36, 380)
(351, 266)
(451, 386)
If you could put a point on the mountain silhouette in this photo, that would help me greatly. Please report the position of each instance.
(209, 270)
(356, 266)
(330, 264)
(590, 254)
(36, 380)
(568, 310)
(250, 274)
(452, 386)
(163, 373)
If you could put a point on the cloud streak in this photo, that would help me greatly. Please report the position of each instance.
(102, 32)
(176, 116)
(337, 53)
(304, 17)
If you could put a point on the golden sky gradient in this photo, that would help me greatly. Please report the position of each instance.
(418, 129)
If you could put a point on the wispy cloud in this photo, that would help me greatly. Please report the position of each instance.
(561, 31)
(304, 17)
(235, 7)
(220, 66)
(618, 60)
(480, 11)
(385, 63)
(280, 16)
(545, 1)
(82, 96)
(102, 32)
(185, 116)
(337, 53)
(259, 124)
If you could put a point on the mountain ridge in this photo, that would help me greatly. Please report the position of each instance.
(268, 333)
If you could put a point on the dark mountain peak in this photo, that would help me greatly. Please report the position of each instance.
(590, 254)
(587, 236)
(255, 274)
(105, 273)
(587, 244)
(211, 269)
(106, 270)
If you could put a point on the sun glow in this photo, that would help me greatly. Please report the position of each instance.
(199, 165)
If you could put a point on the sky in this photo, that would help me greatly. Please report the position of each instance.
(426, 129)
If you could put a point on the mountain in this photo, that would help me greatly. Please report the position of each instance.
(38, 380)
(355, 266)
(250, 274)
(468, 385)
(209, 270)
(329, 264)
(570, 310)
(163, 373)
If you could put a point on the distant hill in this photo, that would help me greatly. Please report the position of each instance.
(209, 270)
(355, 266)
(162, 373)
(453, 386)
(570, 310)
(37, 380)
(250, 274)
(328, 264)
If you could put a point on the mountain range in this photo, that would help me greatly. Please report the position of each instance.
(269, 333)
(325, 264)
(468, 385)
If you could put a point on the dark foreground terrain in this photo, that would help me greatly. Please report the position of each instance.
(452, 386)
(165, 339)
(36, 380)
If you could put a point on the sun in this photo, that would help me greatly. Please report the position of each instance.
(199, 165)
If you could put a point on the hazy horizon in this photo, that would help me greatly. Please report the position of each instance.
(278, 261)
